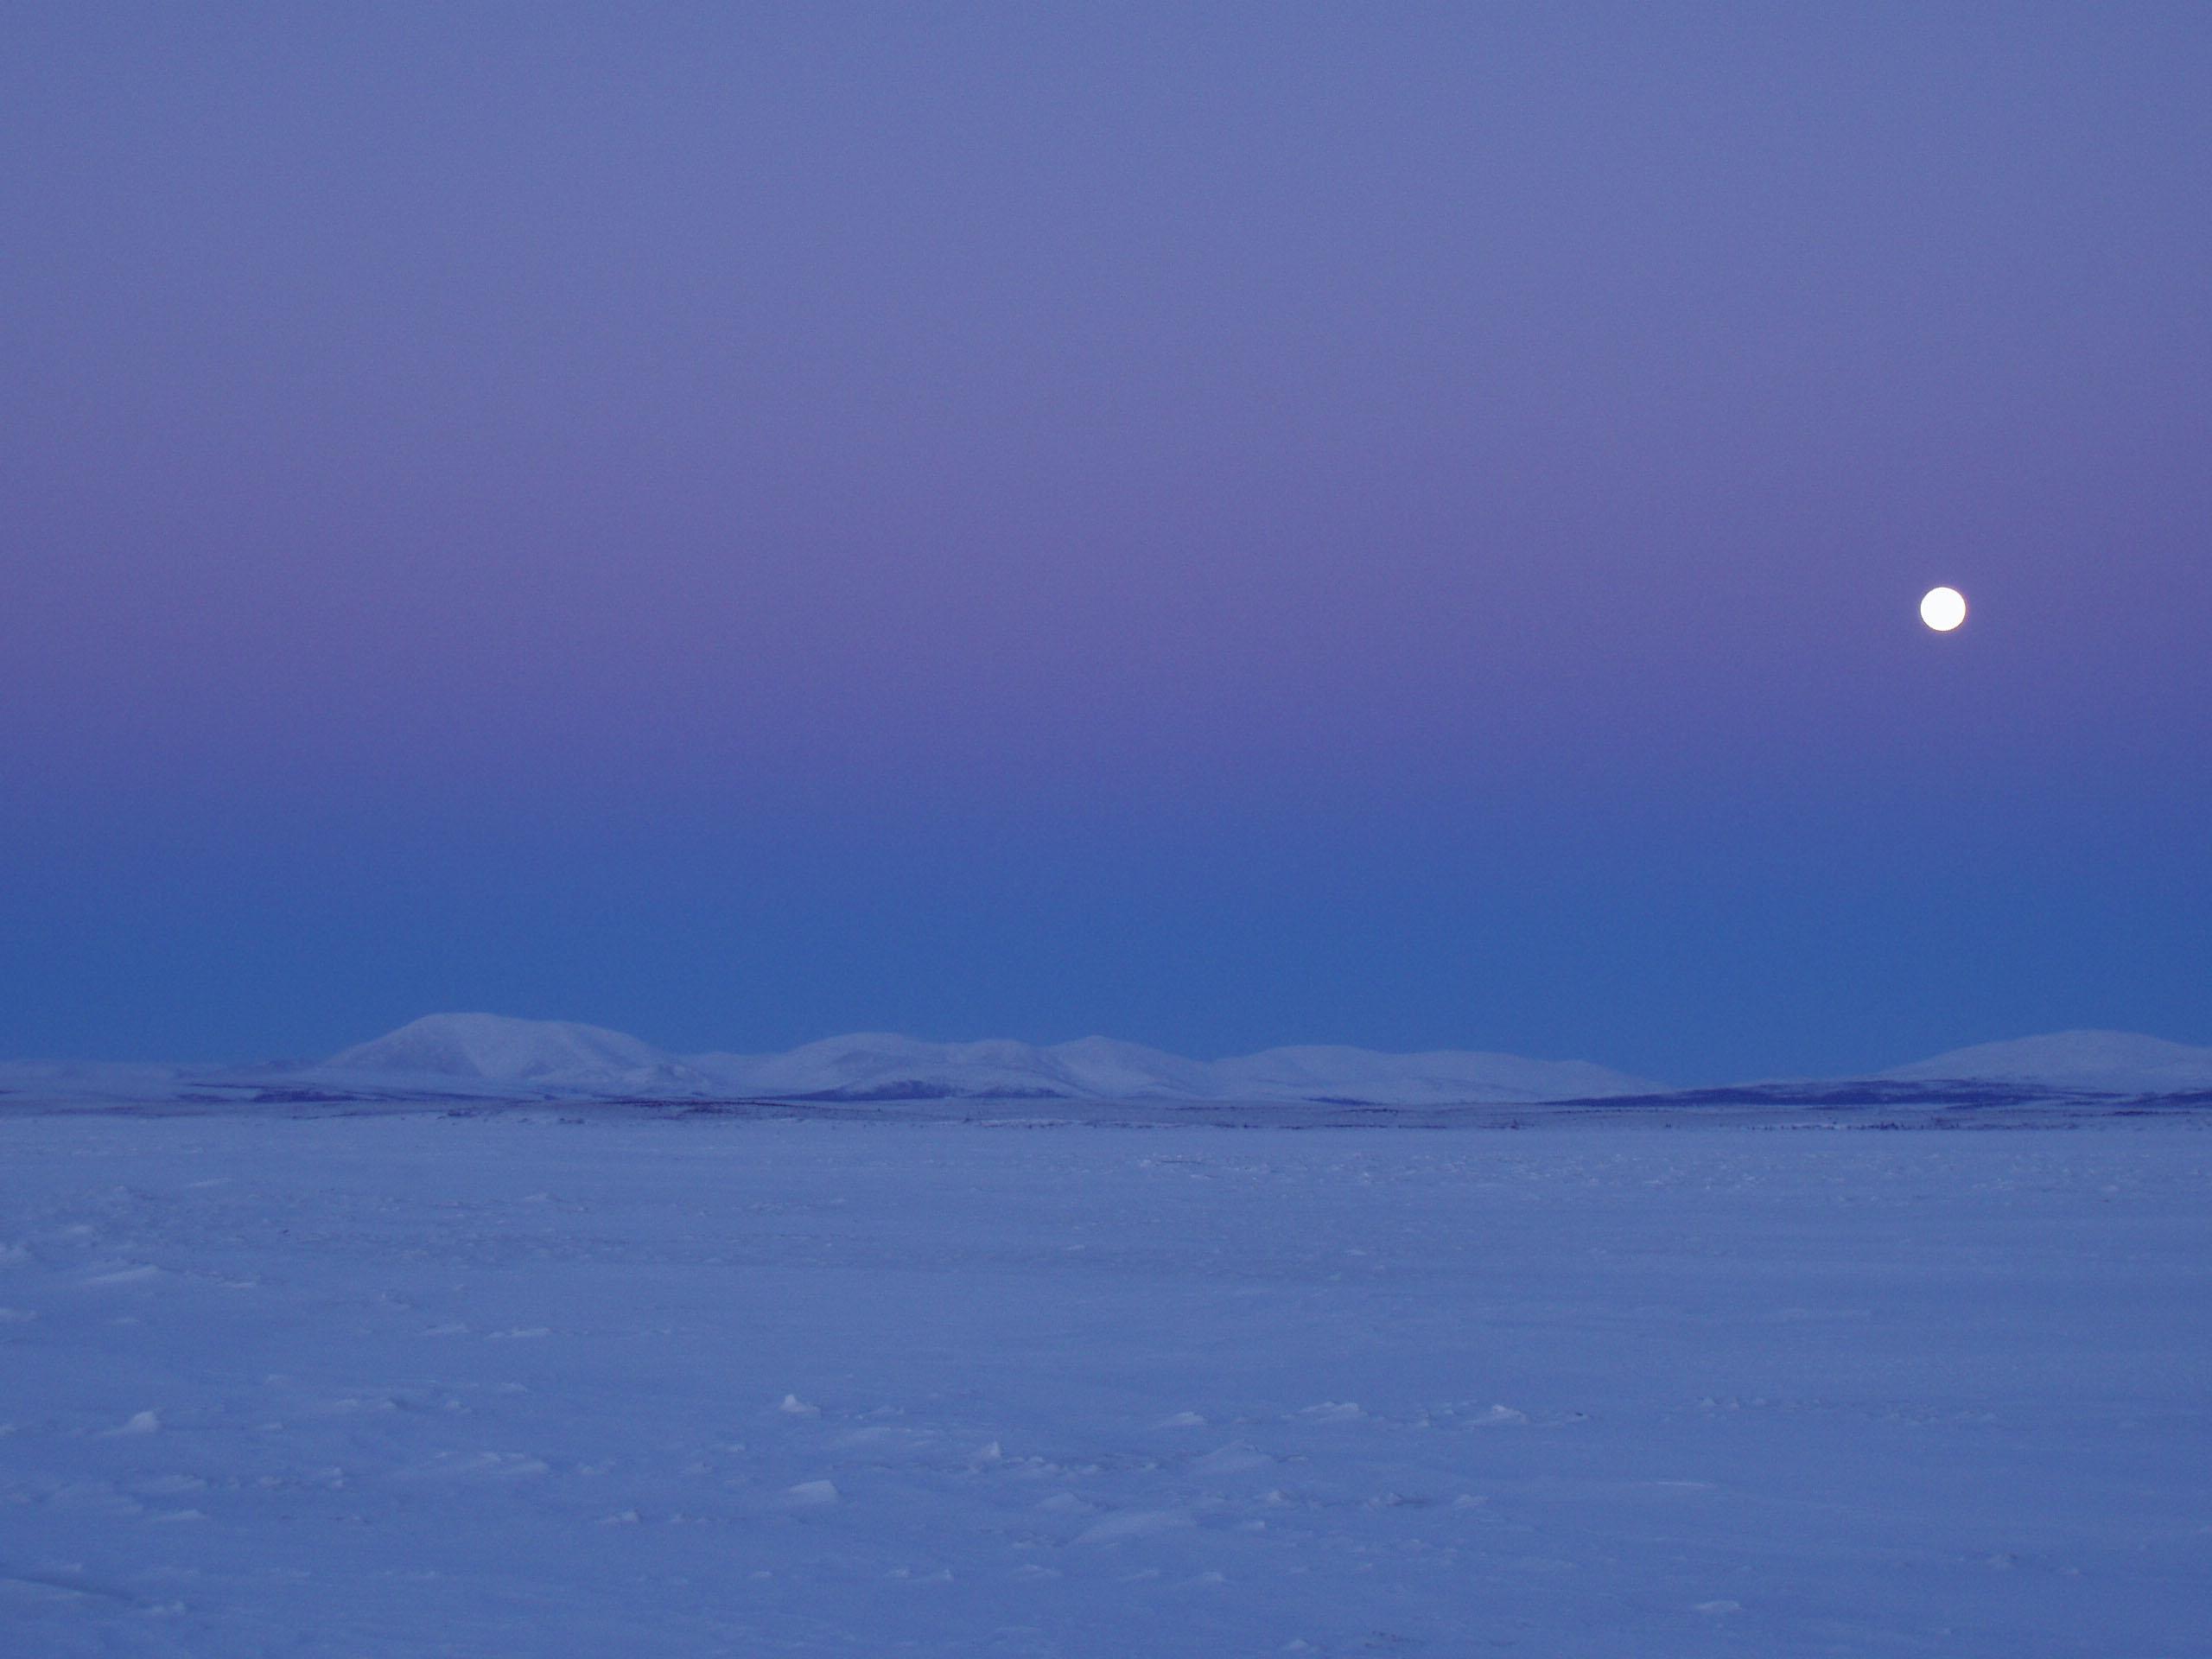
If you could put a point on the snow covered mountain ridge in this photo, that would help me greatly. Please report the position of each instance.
(546, 1056)
(492, 1056)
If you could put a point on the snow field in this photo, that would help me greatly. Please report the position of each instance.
(509, 1384)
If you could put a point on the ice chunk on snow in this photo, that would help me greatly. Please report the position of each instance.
(1134, 1523)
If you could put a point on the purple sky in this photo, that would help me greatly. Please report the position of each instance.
(1221, 526)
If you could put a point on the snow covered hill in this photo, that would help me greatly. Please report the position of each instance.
(469, 1053)
(877, 1067)
(541, 1055)
(880, 1066)
(490, 1056)
(2110, 1062)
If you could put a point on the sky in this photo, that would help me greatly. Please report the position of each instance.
(1219, 526)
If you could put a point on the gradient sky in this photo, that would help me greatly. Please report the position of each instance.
(1221, 526)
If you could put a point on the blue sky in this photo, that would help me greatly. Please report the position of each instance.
(1270, 525)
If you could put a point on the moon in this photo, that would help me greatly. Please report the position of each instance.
(1942, 608)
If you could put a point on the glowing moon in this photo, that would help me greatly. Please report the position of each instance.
(1943, 608)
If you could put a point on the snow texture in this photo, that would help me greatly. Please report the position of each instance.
(535, 1382)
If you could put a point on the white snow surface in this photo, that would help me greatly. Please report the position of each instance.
(2116, 1062)
(531, 1383)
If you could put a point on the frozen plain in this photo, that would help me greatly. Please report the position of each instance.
(524, 1383)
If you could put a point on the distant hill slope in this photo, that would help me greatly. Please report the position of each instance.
(2114, 1062)
(878, 1067)
(548, 1054)
(492, 1056)
(1436, 1078)
(117, 1080)
(457, 1050)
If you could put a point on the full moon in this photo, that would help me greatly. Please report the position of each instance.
(1943, 608)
